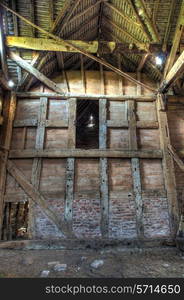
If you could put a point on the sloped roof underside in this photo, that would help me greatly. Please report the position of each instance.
(94, 20)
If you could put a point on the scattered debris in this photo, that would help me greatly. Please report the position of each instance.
(97, 263)
(60, 267)
(53, 263)
(44, 273)
(83, 258)
(165, 265)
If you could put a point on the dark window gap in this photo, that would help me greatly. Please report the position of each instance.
(87, 124)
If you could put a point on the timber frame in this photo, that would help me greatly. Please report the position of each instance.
(171, 73)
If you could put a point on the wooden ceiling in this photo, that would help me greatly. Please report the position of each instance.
(140, 29)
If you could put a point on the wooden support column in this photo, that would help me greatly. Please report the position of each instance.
(70, 165)
(6, 145)
(104, 197)
(1, 107)
(37, 162)
(2, 48)
(135, 169)
(168, 168)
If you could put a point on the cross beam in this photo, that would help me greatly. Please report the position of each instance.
(78, 49)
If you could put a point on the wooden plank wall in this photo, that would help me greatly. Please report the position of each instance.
(96, 197)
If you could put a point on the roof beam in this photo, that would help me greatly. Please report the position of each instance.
(29, 68)
(173, 74)
(99, 60)
(84, 11)
(131, 4)
(122, 14)
(142, 62)
(51, 13)
(42, 44)
(145, 17)
(140, 45)
(164, 46)
(64, 20)
(32, 15)
(42, 56)
(155, 10)
(176, 40)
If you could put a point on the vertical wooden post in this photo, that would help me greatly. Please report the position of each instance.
(104, 197)
(1, 107)
(135, 168)
(37, 162)
(102, 85)
(168, 167)
(83, 73)
(70, 165)
(6, 145)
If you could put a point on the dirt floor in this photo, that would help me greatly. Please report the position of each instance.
(110, 263)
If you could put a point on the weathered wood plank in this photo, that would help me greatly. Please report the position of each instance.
(29, 68)
(42, 44)
(36, 196)
(34, 122)
(176, 157)
(104, 193)
(135, 168)
(168, 170)
(3, 51)
(69, 196)
(64, 153)
(30, 95)
(117, 123)
(37, 162)
(139, 124)
(132, 125)
(175, 42)
(25, 123)
(11, 107)
(173, 74)
(147, 124)
(70, 165)
(71, 123)
(56, 123)
(138, 195)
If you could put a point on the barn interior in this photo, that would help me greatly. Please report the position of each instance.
(92, 123)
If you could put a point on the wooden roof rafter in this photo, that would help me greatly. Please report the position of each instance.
(131, 38)
(132, 5)
(142, 12)
(176, 41)
(65, 13)
(78, 15)
(101, 61)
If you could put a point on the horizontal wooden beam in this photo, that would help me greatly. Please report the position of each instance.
(29, 68)
(43, 44)
(139, 124)
(64, 153)
(34, 123)
(173, 74)
(22, 197)
(64, 123)
(150, 97)
(78, 49)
